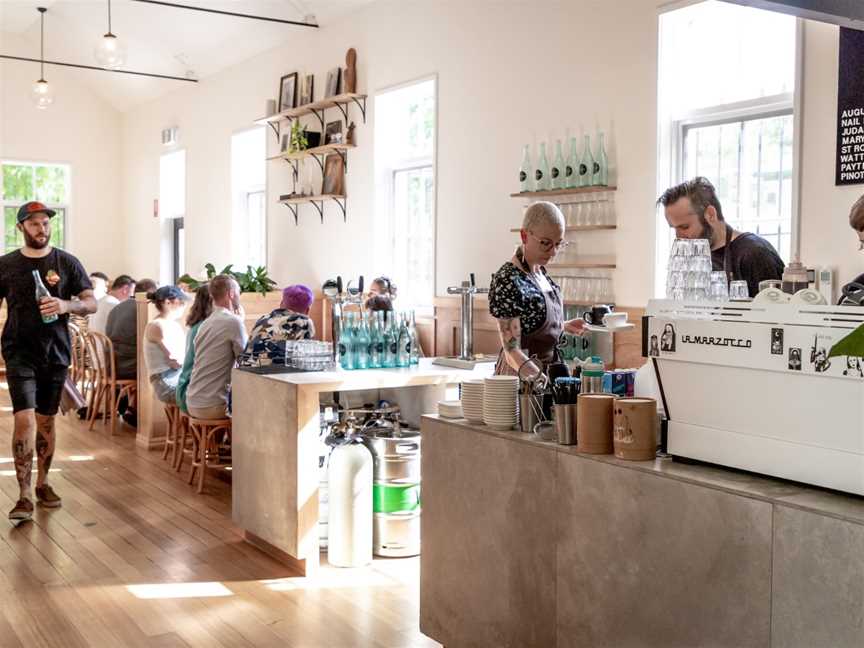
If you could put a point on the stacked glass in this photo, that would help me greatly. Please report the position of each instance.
(689, 277)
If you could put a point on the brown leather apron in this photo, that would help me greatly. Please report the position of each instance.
(544, 341)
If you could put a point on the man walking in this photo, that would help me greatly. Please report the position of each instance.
(35, 345)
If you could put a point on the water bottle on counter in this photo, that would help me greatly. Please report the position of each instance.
(592, 375)
(415, 348)
(403, 355)
(376, 348)
(361, 345)
(346, 344)
(390, 338)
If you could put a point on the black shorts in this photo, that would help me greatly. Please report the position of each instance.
(36, 387)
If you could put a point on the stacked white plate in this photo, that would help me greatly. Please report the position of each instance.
(472, 400)
(500, 399)
(450, 409)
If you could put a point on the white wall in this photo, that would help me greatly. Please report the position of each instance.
(79, 129)
(508, 73)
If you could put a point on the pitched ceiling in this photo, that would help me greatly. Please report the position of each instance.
(159, 39)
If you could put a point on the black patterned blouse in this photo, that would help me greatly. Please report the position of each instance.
(512, 294)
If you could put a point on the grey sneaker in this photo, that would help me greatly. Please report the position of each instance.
(47, 497)
(23, 510)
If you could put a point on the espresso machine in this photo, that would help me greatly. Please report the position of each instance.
(466, 358)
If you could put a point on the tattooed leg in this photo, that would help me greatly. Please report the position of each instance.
(45, 438)
(22, 449)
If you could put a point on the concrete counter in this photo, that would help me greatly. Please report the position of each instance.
(528, 543)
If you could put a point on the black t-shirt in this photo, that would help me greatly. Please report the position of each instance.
(752, 259)
(122, 328)
(26, 338)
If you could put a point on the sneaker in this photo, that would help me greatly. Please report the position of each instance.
(23, 510)
(47, 497)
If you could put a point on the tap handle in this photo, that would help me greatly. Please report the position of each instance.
(473, 283)
(454, 290)
(339, 284)
(360, 285)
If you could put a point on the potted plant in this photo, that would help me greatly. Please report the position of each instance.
(254, 280)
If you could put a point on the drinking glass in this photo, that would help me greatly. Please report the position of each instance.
(581, 290)
(738, 290)
(719, 288)
(702, 247)
(682, 248)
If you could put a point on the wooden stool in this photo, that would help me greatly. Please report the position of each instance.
(172, 413)
(203, 432)
(184, 442)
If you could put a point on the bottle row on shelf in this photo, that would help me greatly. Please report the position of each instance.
(373, 340)
(576, 170)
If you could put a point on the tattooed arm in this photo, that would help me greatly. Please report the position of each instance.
(510, 333)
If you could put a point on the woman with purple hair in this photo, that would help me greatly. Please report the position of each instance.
(290, 321)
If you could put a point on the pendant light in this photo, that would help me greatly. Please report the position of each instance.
(110, 52)
(42, 94)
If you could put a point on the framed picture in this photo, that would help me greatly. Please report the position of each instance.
(286, 140)
(307, 94)
(334, 176)
(288, 92)
(333, 133)
(334, 76)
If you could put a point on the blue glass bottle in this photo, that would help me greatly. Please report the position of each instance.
(403, 356)
(346, 343)
(415, 348)
(389, 340)
(361, 345)
(376, 347)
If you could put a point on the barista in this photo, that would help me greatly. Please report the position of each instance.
(856, 222)
(694, 212)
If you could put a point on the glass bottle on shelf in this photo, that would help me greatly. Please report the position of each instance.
(403, 356)
(361, 345)
(525, 172)
(586, 164)
(601, 164)
(346, 343)
(558, 170)
(541, 173)
(571, 177)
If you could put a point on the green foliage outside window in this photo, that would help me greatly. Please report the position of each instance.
(23, 182)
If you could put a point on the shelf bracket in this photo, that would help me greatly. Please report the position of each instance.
(320, 161)
(362, 108)
(344, 156)
(293, 209)
(275, 128)
(343, 205)
(320, 207)
(320, 115)
(343, 108)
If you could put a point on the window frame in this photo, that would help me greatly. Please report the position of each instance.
(251, 189)
(66, 207)
(671, 142)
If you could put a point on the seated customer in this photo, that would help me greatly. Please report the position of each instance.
(165, 342)
(219, 341)
(200, 311)
(379, 303)
(122, 289)
(290, 321)
(100, 284)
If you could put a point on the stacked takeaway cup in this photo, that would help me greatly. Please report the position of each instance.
(472, 400)
(500, 402)
(689, 277)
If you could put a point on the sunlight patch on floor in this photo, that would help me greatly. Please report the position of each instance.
(331, 578)
(80, 458)
(179, 590)
(11, 473)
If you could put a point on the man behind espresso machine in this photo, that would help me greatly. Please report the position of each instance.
(694, 212)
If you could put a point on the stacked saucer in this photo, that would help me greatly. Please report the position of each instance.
(450, 409)
(472, 400)
(500, 399)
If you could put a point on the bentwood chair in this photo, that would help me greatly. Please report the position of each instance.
(205, 449)
(107, 388)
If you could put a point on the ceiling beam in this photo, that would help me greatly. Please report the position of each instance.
(233, 14)
(97, 68)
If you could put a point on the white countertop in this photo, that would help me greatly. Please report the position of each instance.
(340, 380)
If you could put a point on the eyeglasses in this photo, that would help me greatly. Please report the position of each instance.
(548, 245)
(861, 245)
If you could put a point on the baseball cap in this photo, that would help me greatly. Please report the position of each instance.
(33, 207)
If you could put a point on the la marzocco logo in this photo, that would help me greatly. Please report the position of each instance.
(738, 343)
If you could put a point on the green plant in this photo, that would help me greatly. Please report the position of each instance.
(299, 141)
(253, 280)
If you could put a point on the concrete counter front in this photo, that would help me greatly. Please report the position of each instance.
(275, 446)
(527, 543)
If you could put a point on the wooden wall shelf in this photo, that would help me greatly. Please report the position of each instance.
(316, 201)
(554, 193)
(336, 101)
(579, 228)
(312, 152)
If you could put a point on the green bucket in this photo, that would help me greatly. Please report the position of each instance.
(393, 498)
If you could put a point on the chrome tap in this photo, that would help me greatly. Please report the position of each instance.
(468, 289)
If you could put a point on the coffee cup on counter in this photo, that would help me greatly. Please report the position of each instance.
(597, 315)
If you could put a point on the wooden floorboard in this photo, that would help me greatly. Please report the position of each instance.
(68, 578)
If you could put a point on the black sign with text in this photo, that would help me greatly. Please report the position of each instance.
(850, 109)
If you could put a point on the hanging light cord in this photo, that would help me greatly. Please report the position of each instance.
(109, 17)
(42, 44)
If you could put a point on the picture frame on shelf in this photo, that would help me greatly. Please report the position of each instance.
(286, 142)
(307, 92)
(334, 77)
(334, 176)
(288, 92)
(333, 132)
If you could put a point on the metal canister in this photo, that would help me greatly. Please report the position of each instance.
(395, 491)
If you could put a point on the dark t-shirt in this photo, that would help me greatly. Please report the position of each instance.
(752, 259)
(26, 338)
(122, 328)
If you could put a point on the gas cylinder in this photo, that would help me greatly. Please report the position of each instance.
(350, 508)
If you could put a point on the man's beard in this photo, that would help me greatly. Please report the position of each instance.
(36, 243)
(707, 232)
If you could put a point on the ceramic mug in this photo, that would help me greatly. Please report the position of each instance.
(595, 316)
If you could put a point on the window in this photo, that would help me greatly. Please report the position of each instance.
(249, 198)
(25, 181)
(172, 212)
(405, 123)
(726, 111)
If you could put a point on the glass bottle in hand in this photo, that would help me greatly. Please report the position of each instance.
(42, 293)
